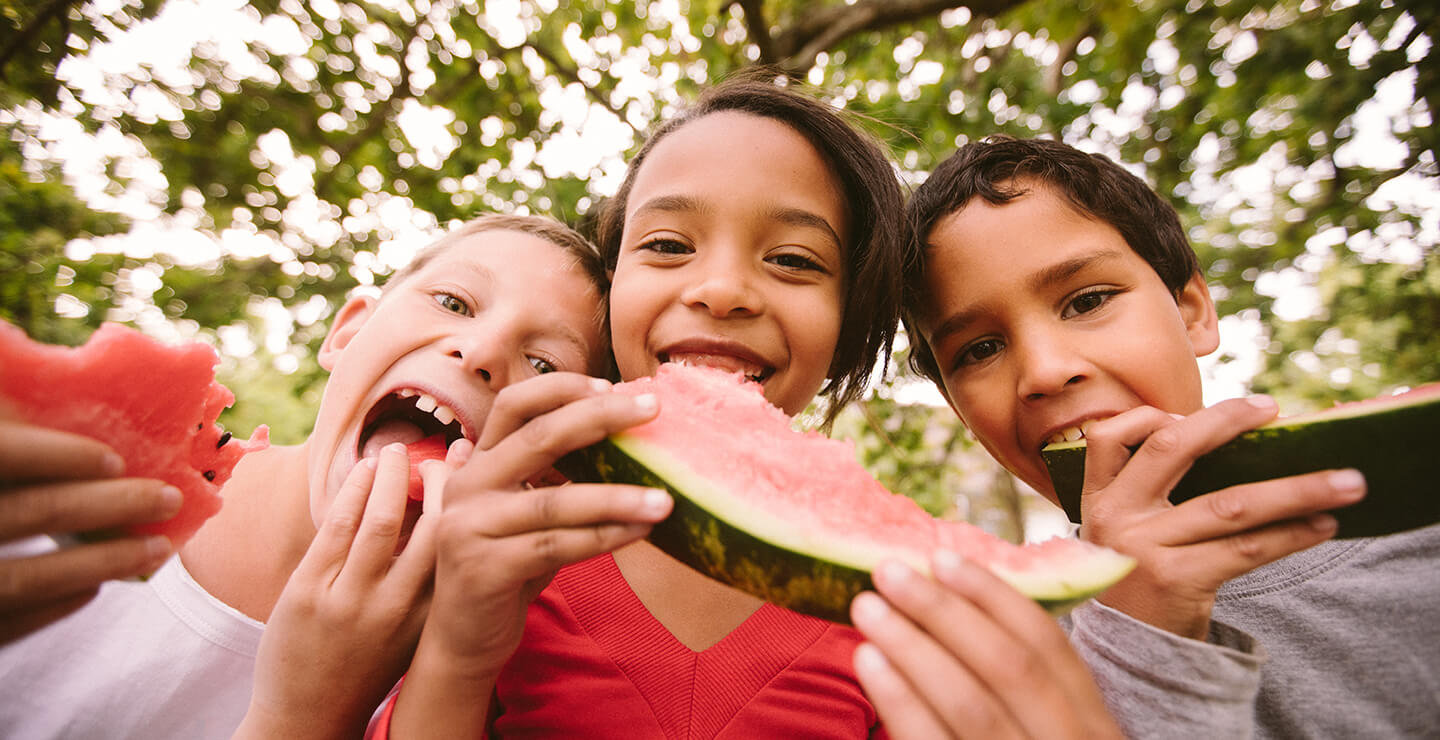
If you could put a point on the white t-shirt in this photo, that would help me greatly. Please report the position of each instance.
(154, 659)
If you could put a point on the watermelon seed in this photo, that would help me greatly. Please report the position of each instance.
(223, 439)
(209, 475)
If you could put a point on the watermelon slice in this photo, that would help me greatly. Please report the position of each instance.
(793, 517)
(154, 404)
(1387, 439)
(432, 447)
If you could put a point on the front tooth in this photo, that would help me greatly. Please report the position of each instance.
(407, 392)
(1073, 434)
(444, 414)
(425, 402)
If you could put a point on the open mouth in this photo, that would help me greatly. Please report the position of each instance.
(1070, 434)
(408, 416)
(751, 370)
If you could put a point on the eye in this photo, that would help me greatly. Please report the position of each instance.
(542, 365)
(978, 352)
(797, 261)
(452, 303)
(666, 246)
(1087, 302)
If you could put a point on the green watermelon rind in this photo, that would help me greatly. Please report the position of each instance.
(1389, 440)
(716, 534)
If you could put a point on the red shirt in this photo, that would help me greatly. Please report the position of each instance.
(594, 663)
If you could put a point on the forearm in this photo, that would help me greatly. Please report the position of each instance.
(443, 697)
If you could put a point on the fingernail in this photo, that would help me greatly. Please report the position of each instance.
(869, 659)
(171, 497)
(1261, 402)
(1323, 523)
(868, 608)
(656, 501)
(599, 385)
(158, 547)
(894, 573)
(947, 564)
(647, 402)
(1347, 481)
(395, 447)
(112, 465)
(1177, 417)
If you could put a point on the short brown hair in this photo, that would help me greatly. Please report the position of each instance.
(997, 169)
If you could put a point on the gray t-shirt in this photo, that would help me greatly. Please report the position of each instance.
(1341, 640)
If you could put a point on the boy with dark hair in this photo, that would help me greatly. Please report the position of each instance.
(1055, 295)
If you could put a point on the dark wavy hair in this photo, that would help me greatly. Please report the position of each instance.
(874, 253)
(1001, 168)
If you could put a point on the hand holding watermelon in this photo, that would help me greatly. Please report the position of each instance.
(966, 654)
(1185, 552)
(500, 541)
(55, 483)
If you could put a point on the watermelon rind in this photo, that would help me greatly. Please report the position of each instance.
(736, 543)
(1389, 440)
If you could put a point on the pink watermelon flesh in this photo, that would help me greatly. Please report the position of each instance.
(154, 404)
(432, 447)
(720, 425)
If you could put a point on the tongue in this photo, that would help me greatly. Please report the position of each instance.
(419, 447)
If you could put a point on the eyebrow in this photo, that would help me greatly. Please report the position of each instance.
(1042, 279)
(805, 219)
(789, 216)
(671, 204)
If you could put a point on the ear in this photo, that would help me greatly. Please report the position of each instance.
(346, 325)
(1197, 310)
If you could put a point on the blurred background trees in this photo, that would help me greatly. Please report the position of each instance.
(232, 171)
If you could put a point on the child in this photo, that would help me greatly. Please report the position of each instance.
(1056, 294)
(500, 299)
(756, 232)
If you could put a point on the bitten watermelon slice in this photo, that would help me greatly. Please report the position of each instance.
(154, 404)
(1388, 439)
(793, 517)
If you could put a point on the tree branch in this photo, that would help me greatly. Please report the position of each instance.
(572, 74)
(759, 30)
(797, 47)
(1055, 75)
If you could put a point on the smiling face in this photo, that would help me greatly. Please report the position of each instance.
(428, 357)
(1041, 318)
(732, 255)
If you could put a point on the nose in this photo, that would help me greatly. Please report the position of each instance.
(723, 285)
(488, 350)
(1048, 365)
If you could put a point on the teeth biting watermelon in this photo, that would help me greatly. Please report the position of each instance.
(793, 517)
(154, 404)
(1387, 439)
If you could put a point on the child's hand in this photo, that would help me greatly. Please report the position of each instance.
(965, 655)
(348, 620)
(55, 483)
(1186, 552)
(499, 541)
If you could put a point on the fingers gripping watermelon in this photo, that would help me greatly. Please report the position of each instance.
(793, 517)
(1387, 439)
(154, 404)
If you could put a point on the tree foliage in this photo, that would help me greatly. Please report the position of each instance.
(1294, 136)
